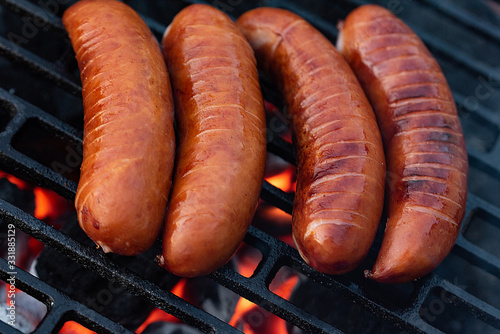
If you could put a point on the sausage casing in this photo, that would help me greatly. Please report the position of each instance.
(340, 160)
(222, 140)
(424, 143)
(129, 141)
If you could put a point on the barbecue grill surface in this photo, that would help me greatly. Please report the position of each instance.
(40, 142)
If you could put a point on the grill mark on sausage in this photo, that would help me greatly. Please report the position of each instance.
(435, 166)
(201, 167)
(211, 131)
(332, 177)
(408, 60)
(230, 105)
(432, 130)
(334, 211)
(329, 161)
(315, 223)
(322, 194)
(428, 180)
(423, 113)
(439, 196)
(370, 43)
(431, 74)
(305, 104)
(434, 212)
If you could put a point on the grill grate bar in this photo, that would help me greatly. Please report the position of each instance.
(477, 255)
(40, 15)
(471, 252)
(284, 255)
(281, 148)
(488, 114)
(38, 65)
(486, 160)
(57, 305)
(95, 260)
(462, 17)
(449, 51)
(275, 253)
(23, 166)
(272, 302)
(278, 197)
(480, 309)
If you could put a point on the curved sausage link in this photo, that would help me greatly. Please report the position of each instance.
(424, 144)
(222, 140)
(129, 141)
(340, 159)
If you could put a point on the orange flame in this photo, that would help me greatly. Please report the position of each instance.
(43, 203)
(48, 204)
(72, 327)
(284, 180)
(243, 306)
(251, 318)
(14, 180)
(247, 259)
(159, 315)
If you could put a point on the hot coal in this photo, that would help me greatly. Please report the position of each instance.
(103, 295)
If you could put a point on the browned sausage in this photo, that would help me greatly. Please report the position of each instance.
(340, 159)
(424, 144)
(129, 141)
(222, 140)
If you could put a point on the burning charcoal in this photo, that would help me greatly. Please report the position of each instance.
(169, 328)
(103, 295)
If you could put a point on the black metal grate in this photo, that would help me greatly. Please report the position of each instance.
(475, 80)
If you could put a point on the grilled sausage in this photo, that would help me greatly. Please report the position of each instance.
(222, 140)
(340, 161)
(129, 140)
(424, 144)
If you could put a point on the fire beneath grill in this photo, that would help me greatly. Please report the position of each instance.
(22, 250)
(43, 262)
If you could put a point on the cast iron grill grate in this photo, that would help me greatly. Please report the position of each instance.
(475, 80)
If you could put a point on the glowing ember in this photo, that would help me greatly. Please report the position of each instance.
(243, 306)
(247, 316)
(45, 201)
(285, 180)
(14, 180)
(247, 258)
(48, 207)
(72, 327)
(251, 318)
(48, 204)
(158, 315)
